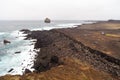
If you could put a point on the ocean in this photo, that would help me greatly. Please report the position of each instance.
(19, 54)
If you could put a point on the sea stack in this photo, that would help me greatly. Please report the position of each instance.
(47, 20)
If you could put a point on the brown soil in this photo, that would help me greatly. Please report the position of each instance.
(105, 43)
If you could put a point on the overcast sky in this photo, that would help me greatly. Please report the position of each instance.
(59, 9)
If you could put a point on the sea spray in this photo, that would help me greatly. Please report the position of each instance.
(12, 63)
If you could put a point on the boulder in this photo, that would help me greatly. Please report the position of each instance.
(6, 41)
(27, 71)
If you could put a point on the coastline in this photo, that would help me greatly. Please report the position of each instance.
(19, 53)
(89, 55)
(74, 43)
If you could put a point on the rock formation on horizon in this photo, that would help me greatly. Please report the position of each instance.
(47, 20)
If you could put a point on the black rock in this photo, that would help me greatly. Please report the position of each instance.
(17, 52)
(45, 62)
(27, 71)
(11, 70)
(6, 41)
(26, 31)
(54, 59)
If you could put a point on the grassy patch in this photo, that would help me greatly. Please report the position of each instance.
(113, 35)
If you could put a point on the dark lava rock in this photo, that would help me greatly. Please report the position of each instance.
(26, 31)
(11, 70)
(54, 59)
(52, 43)
(27, 71)
(6, 41)
(17, 52)
(45, 63)
(44, 38)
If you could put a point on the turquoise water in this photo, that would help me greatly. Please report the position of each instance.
(9, 30)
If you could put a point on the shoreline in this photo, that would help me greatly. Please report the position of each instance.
(57, 44)
(18, 63)
(91, 54)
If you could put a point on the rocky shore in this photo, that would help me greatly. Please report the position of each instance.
(73, 48)
(58, 44)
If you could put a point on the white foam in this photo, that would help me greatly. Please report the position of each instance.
(17, 34)
(21, 61)
(1, 33)
(54, 27)
(69, 25)
(26, 62)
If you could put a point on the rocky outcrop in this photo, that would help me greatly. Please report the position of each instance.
(25, 31)
(54, 43)
(47, 20)
(45, 62)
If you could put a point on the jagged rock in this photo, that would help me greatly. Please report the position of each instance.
(47, 20)
(6, 41)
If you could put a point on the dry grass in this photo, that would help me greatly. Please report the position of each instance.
(113, 35)
(72, 69)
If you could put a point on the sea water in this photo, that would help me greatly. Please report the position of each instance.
(18, 62)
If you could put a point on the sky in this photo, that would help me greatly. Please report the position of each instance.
(59, 9)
